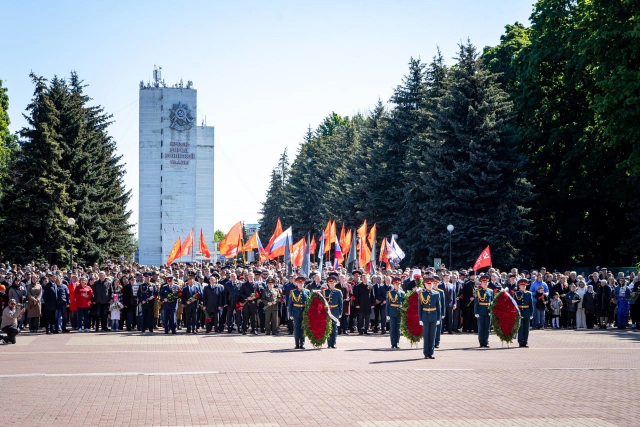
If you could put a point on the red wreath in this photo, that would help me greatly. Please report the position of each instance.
(505, 317)
(316, 324)
(410, 321)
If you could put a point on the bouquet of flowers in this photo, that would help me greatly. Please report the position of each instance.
(173, 296)
(239, 306)
(194, 298)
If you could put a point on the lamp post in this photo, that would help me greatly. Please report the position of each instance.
(71, 222)
(450, 230)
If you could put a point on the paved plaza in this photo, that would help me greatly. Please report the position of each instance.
(577, 378)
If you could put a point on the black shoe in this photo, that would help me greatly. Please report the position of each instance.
(525, 346)
(173, 332)
(432, 357)
(65, 331)
(256, 333)
(229, 331)
(366, 332)
(437, 346)
(487, 346)
(195, 332)
(48, 333)
(360, 333)
(450, 332)
(426, 357)
(166, 332)
(301, 347)
(244, 333)
(297, 347)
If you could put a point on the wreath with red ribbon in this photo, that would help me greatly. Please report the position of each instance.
(410, 318)
(316, 322)
(505, 316)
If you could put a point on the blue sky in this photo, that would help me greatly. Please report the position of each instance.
(264, 70)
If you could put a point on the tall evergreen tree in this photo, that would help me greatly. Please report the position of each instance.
(37, 199)
(8, 141)
(473, 178)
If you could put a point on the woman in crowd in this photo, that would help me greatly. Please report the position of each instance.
(34, 303)
(84, 295)
(622, 295)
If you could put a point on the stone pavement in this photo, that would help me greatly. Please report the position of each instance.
(574, 378)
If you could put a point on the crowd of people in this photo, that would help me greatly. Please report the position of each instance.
(254, 299)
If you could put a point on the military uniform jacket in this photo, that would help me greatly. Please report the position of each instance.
(334, 299)
(482, 302)
(297, 301)
(525, 303)
(268, 296)
(430, 306)
(146, 291)
(394, 302)
(164, 292)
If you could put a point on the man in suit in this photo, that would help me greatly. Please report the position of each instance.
(249, 295)
(364, 299)
(50, 298)
(450, 301)
(213, 301)
(190, 299)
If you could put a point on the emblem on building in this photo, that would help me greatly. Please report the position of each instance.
(180, 116)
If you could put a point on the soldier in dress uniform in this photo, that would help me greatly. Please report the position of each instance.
(430, 311)
(394, 300)
(334, 299)
(168, 307)
(147, 294)
(483, 299)
(525, 305)
(297, 300)
(441, 300)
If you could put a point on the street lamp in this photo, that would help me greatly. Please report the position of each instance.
(71, 222)
(450, 230)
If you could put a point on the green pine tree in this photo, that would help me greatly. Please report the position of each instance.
(35, 222)
(473, 180)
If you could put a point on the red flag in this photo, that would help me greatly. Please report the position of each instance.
(204, 250)
(364, 253)
(276, 233)
(174, 252)
(313, 245)
(185, 249)
(484, 260)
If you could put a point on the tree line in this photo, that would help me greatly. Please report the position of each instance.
(531, 147)
(62, 165)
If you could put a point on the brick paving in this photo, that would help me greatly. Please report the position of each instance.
(573, 378)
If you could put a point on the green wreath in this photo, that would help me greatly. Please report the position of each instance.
(509, 309)
(318, 309)
(415, 319)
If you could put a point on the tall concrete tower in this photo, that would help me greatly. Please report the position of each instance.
(176, 170)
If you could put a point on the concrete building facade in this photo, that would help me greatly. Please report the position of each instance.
(176, 171)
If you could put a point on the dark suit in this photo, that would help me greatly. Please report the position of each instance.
(450, 300)
(250, 309)
(364, 299)
(50, 298)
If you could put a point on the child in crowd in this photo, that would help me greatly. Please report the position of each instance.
(115, 308)
(556, 309)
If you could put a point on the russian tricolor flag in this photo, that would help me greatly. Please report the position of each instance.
(338, 257)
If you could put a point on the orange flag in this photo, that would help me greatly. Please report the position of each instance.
(362, 231)
(372, 236)
(185, 249)
(204, 250)
(347, 243)
(364, 254)
(342, 236)
(231, 241)
(329, 235)
(252, 243)
(276, 233)
(313, 245)
(297, 253)
(384, 253)
(174, 252)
